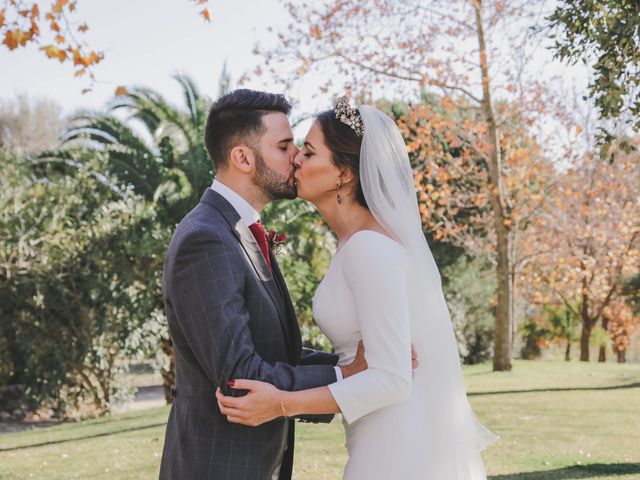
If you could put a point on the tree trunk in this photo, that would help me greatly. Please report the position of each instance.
(504, 310)
(91, 388)
(513, 293)
(168, 375)
(602, 354)
(584, 342)
(587, 323)
(622, 357)
(105, 385)
(567, 352)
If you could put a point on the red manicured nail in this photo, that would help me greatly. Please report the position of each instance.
(231, 383)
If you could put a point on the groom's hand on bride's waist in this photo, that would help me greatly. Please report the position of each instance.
(359, 363)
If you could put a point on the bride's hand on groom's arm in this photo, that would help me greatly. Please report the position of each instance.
(264, 402)
(261, 404)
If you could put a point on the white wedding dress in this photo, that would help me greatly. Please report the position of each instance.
(387, 291)
(363, 295)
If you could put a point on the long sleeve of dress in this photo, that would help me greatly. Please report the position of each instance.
(374, 269)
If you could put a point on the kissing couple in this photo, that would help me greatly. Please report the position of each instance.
(242, 375)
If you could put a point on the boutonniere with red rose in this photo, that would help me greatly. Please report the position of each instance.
(276, 241)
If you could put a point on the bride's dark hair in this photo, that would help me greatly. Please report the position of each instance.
(345, 145)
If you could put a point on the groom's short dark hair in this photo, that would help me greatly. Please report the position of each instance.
(236, 117)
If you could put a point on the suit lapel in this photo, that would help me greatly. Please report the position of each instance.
(256, 258)
(254, 254)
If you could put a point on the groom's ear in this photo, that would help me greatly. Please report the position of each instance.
(242, 158)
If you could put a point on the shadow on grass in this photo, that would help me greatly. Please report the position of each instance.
(576, 389)
(83, 437)
(37, 428)
(574, 472)
(112, 420)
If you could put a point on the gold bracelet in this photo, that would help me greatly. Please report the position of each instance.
(284, 412)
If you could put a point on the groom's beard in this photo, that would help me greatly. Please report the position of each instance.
(274, 186)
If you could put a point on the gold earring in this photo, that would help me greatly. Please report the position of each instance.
(339, 198)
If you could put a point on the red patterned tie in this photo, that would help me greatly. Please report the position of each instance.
(261, 237)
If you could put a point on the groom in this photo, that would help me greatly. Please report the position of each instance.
(229, 311)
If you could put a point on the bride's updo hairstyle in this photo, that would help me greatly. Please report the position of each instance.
(345, 145)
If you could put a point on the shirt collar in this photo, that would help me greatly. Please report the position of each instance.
(248, 214)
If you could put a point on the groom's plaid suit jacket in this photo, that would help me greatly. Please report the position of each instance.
(229, 317)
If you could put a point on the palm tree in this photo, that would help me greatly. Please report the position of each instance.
(174, 169)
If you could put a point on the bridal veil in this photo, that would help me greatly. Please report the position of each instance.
(444, 434)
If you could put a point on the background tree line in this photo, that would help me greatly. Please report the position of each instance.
(537, 240)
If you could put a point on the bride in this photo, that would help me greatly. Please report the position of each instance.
(383, 287)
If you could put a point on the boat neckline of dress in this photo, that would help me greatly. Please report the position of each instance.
(339, 249)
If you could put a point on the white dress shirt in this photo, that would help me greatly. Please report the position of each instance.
(248, 215)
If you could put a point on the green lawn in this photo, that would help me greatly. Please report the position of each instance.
(557, 422)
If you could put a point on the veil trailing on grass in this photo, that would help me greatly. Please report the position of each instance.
(444, 434)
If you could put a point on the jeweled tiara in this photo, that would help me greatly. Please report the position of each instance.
(349, 115)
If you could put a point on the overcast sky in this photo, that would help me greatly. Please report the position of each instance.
(147, 41)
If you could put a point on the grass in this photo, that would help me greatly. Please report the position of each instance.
(558, 421)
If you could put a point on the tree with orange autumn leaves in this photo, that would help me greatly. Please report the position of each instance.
(621, 323)
(52, 26)
(574, 229)
(455, 48)
(450, 163)
(591, 228)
